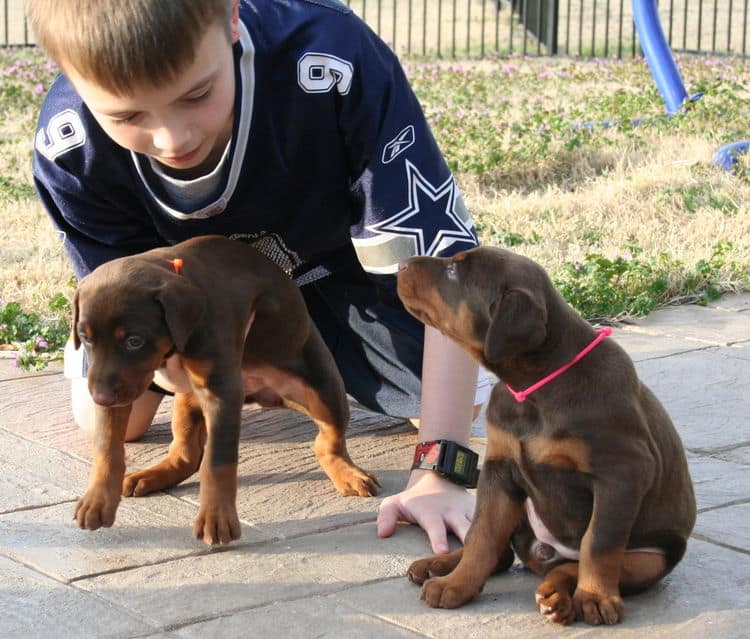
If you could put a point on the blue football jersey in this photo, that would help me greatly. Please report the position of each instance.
(331, 160)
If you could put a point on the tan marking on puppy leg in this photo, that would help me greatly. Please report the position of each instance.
(99, 504)
(217, 521)
(554, 596)
(597, 598)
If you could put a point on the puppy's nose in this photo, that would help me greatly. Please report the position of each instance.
(103, 396)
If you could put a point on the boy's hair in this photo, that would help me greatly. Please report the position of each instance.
(121, 45)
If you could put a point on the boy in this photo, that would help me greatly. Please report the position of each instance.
(288, 125)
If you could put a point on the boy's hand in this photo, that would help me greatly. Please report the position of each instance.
(432, 502)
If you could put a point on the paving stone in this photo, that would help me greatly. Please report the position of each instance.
(243, 577)
(34, 475)
(281, 487)
(33, 606)
(147, 577)
(710, 584)
(736, 454)
(739, 302)
(643, 346)
(699, 323)
(729, 525)
(703, 391)
(38, 409)
(718, 482)
(316, 617)
(147, 530)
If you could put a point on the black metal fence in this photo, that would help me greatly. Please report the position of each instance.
(477, 28)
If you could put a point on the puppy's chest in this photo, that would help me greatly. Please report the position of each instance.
(520, 434)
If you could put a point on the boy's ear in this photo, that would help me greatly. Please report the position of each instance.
(183, 307)
(518, 323)
(234, 27)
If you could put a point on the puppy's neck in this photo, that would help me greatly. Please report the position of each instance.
(564, 341)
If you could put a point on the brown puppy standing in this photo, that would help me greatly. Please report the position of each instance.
(586, 479)
(242, 332)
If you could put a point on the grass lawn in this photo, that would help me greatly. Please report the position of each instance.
(625, 218)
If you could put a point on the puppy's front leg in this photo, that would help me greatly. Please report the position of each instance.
(217, 521)
(497, 516)
(597, 597)
(98, 505)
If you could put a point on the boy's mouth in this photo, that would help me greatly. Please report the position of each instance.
(179, 161)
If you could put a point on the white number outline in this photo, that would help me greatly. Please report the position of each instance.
(52, 141)
(334, 72)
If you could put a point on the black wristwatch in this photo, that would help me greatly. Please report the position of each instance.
(450, 459)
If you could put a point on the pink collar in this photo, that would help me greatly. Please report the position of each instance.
(520, 396)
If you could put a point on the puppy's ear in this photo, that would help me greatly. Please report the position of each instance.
(517, 324)
(183, 308)
(76, 339)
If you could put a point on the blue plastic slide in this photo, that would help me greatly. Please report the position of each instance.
(667, 76)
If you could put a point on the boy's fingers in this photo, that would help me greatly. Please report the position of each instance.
(459, 524)
(387, 517)
(434, 526)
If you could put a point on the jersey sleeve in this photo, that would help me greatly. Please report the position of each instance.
(409, 201)
(82, 182)
(93, 231)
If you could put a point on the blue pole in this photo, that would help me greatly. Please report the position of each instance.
(659, 55)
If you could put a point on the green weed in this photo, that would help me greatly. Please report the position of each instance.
(610, 288)
(36, 340)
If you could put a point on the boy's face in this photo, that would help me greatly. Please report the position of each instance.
(185, 125)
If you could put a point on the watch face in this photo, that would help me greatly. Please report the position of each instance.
(459, 467)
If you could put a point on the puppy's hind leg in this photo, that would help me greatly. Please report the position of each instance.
(560, 602)
(185, 451)
(321, 395)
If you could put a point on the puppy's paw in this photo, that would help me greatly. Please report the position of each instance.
(142, 483)
(447, 592)
(555, 603)
(598, 609)
(436, 566)
(159, 477)
(97, 507)
(349, 479)
(217, 524)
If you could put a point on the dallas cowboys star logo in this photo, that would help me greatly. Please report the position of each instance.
(430, 218)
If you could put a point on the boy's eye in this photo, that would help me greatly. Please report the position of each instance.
(124, 119)
(199, 96)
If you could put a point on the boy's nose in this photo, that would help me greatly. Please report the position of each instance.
(171, 139)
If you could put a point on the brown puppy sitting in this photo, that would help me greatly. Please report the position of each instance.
(241, 331)
(585, 476)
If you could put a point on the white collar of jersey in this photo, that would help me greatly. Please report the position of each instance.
(247, 78)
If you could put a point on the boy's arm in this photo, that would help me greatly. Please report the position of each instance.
(409, 204)
(437, 505)
(85, 183)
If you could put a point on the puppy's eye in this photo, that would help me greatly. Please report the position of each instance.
(84, 338)
(134, 342)
(451, 270)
